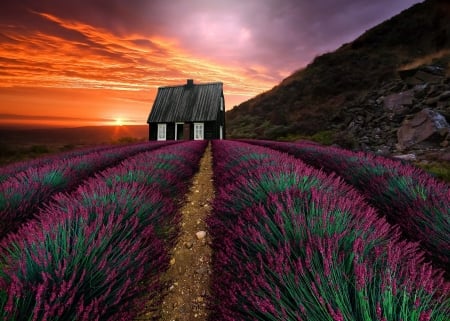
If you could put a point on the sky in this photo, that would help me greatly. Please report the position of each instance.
(100, 62)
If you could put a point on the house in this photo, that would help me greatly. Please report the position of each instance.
(189, 111)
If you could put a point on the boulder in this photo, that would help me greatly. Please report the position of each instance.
(398, 103)
(424, 125)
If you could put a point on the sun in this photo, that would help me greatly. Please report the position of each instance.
(119, 122)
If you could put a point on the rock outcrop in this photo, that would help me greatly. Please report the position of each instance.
(406, 115)
(425, 125)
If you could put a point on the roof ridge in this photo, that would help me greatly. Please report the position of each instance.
(195, 84)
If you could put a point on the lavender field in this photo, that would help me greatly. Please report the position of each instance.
(298, 232)
(91, 253)
(294, 243)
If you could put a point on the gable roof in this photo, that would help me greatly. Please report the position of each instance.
(190, 102)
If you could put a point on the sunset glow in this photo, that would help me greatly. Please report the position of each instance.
(110, 74)
(68, 64)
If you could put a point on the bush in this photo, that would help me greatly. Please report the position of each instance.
(439, 170)
(39, 149)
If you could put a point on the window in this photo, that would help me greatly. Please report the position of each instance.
(221, 103)
(161, 132)
(198, 131)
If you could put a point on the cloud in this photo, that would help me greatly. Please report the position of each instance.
(274, 33)
(78, 55)
(131, 48)
(52, 118)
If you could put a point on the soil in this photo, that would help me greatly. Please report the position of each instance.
(189, 273)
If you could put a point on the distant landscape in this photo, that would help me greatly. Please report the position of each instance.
(19, 143)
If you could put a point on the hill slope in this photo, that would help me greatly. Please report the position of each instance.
(311, 100)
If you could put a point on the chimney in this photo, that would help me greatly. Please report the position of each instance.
(190, 83)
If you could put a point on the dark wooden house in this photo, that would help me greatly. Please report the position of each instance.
(190, 111)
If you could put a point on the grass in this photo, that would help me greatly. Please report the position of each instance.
(15, 152)
(324, 137)
(10, 153)
(440, 170)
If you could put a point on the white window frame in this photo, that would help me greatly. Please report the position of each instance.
(162, 132)
(199, 131)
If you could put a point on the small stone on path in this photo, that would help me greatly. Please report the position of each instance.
(200, 234)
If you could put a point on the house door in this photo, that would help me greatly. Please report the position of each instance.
(161, 132)
(179, 131)
(187, 131)
(198, 131)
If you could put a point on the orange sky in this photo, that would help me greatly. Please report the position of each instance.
(47, 75)
(94, 62)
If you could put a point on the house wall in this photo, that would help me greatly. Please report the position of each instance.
(220, 121)
(211, 130)
(152, 131)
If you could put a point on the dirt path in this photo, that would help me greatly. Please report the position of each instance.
(189, 272)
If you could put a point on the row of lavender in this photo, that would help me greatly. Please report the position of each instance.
(21, 194)
(406, 195)
(292, 243)
(93, 253)
(17, 167)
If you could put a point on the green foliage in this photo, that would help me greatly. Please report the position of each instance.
(127, 140)
(324, 137)
(244, 127)
(10, 153)
(292, 137)
(440, 170)
(39, 149)
(345, 140)
(275, 131)
(67, 147)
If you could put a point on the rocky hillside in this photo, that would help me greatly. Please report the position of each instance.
(405, 115)
(362, 94)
